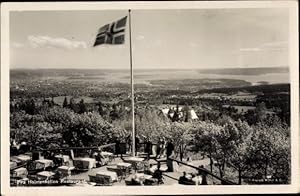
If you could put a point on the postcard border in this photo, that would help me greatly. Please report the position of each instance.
(294, 73)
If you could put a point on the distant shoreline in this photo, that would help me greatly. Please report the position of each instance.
(253, 75)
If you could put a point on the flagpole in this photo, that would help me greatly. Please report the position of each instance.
(132, 89)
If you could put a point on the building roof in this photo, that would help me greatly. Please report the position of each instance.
(193, 114)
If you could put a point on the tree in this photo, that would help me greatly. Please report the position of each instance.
(250, 117)
(114, 114)
(29, 107)
(56, 126)
(82, 107)
(88, 129)
(52, 102)
(149, 124)
(72, 104)
(81, 129)
(101, 109)
(260, 111)
(241, 146)
(36, 132)
(217, 140)
(181, 135)
(225, 139)
(270, 151)
(203, 139)
(65, 103)
(256, 115)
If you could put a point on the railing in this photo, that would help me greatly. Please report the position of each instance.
(223, 181)
(78, 148)
(74, 151)
(142, 146)
(19, 166)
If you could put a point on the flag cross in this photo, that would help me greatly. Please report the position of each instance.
(113, 33)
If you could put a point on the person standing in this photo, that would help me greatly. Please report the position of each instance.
(164, 148)
(128, 140)
(158, 149)
(170, 148)
(148, 148)
(117, 147)
(203, 175)
(137, 143)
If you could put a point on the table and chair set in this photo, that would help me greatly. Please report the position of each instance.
(133, 170)
(113, 174)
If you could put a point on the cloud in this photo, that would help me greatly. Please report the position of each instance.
(49, 42)
(17, 45)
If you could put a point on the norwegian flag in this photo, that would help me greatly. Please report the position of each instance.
(113, 33)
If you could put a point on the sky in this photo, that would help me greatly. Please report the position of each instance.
(178, 39)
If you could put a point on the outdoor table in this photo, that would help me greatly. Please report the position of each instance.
(44, 163)
(121, 171)
(15, 159)
(112, 175)
(113, 168)
(65, 170)
(152, 162)
(162, 168)
(135, 161)
(124, 165)
(125, 168)
(104, 153)
(143, 176)
(12, 164)
(44, 175)
(20, 172)
(23, 157)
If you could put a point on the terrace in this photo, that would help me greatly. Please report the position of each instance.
(109, 170)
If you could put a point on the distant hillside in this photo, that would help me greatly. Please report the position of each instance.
(38, 73)
(271, 88)
(245, 71)
(196, 84)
